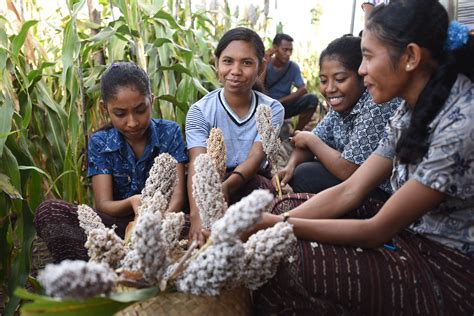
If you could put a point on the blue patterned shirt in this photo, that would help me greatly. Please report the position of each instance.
(447, 167)
(356, 134)
(109, 153)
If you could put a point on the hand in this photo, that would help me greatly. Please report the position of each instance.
(285, 175)
(268, 220)
(135, 201)
(225, 191)
(300, 140)
(196, 232)
(367, 7)
(268, 54)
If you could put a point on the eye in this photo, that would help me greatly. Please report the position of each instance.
(119, 113)
(227, 61)
(248, 62)
(340, 80)
(322, 81)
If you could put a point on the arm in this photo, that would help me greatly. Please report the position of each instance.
(294, 95)
(297, 157)
(248, 169)
(179, 194)
(103, 197)
(328, 156)
(408, 204)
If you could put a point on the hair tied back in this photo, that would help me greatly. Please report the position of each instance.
(458, 35)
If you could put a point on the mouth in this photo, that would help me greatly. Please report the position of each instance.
(233, 82)
(335, 101)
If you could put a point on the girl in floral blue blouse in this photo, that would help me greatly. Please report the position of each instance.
(120, 157)
(416, 255)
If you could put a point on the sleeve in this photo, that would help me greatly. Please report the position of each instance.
(197, 129)
(176, 147)
(388, 142)
(448, 165)
(367, 131)
(298, 78)
(98, 162)
(324, 130)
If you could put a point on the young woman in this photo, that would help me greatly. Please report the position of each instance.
(120, 157)
(427, 264)
(239, 61)
(350, 131)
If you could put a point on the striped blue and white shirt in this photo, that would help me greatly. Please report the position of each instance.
(239, 133)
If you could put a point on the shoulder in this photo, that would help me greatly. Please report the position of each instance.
(275, 105)
(161, 124)
(103, 137)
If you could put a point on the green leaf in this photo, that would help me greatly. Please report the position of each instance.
(19, 40)
(178, 68)
(168, 17)
(45, 305)
(6, 114)
(8, 188)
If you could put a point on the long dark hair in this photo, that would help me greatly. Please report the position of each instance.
(247, 35)
(424, 22)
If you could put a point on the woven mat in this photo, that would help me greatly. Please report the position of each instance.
(233, 302)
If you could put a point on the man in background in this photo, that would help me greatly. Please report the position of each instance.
(281, 75)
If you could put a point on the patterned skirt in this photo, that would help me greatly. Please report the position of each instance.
(418, 277)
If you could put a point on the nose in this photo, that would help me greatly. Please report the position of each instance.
(236, 70)
(362, 68)
(331, 86)
(132, 122)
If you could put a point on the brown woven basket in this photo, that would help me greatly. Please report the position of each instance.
(228, 303)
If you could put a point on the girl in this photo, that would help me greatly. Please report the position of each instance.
(427, 264)
(348, 134)
(120, 157)
(239, 61)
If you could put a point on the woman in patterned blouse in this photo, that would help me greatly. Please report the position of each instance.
(348, 134)
(415, 256)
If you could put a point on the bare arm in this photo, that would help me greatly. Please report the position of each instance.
(179, 194)
(294, 95)
(248, 169)
(102, 187)
(408, 204)
(328, 156)
(297, 157)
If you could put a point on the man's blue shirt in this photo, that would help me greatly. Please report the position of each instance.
(109, 153)
(291, 76)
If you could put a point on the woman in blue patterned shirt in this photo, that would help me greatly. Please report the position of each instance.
(120, 157)
(415, 256)
(350, 131)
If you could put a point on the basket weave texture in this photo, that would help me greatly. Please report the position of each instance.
(229, 303)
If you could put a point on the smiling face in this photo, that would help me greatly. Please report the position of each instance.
(238, 67)
(384, 78)
(340, 86)
(130, 113)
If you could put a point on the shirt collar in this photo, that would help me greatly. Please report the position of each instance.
(115, 140)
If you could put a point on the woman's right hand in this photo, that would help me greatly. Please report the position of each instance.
(284, 175)
(196, 231)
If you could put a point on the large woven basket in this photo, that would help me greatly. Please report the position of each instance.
(228, 303)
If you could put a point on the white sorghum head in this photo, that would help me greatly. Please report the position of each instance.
(171, 227)
(162, 177)
(88, 218)
(77, 279)
(217, 151)
(148, 248)
(241, 216)
(268, 132)
(263, 252)
(207, 191)
(216, 267)
(103, 245)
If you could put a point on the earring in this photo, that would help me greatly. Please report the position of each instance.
(408, 67)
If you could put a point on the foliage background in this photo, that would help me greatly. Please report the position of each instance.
(49, 95)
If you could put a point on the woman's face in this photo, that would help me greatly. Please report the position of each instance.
(238, 67)
(340, 86)
(130, 113)
(383, 78)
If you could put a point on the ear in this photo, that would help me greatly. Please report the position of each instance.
(412, 57)
(103, 106)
